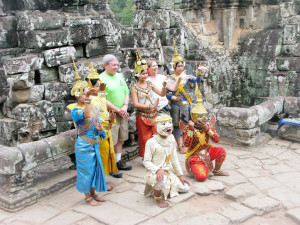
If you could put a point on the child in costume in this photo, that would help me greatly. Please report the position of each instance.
(200, 154)
(90, 176)
(164, 175)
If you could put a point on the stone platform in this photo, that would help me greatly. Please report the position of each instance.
(263, 188)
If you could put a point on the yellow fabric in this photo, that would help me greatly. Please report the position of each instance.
(201, 142)
(181, 89)
(74, 105)
(107, 153)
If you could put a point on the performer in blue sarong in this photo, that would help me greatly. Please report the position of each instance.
(90, 173)
(180, 100)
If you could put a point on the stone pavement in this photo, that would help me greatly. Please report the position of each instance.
(263, 188)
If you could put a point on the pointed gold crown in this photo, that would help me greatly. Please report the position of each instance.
(198, 109)
(162, 118)
(140, 64)
(177, 58)
(93, 74)
(78, 87)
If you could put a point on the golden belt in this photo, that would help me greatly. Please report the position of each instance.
(89, 140)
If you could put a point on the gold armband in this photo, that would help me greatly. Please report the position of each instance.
(210, 132)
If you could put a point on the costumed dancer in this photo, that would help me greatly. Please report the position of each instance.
(90, 175)
(164, 175)
(199, 154)
(146, 111)
(181, 101)
(158, 80)
(106, 147)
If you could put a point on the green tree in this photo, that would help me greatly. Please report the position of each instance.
(124, 10)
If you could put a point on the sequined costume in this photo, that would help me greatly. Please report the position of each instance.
(144, 118)
(183, 107)
(200, 154)
(88, 160)
(161, 154)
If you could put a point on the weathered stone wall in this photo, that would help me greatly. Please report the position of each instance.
(251, 48)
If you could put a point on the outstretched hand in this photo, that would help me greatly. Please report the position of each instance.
(90, 92)
(99, 127)
(184, 180)
(201, 67)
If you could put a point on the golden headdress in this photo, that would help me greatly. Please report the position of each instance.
(79, 85)
(162, 118)
(93, 74)
(140, 64)
(177, 58)
(198, 109)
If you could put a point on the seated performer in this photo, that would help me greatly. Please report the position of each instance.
(199, 154)
(90, 176)
(146, 111)
(181, 101)
(106, 146)
(164, 175)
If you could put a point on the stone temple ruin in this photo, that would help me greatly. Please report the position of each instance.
(251, 47)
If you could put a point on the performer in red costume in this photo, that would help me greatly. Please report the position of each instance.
(200, 154)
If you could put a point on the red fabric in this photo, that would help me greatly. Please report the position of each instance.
(146, 130)
(198, 167)
(149, 74)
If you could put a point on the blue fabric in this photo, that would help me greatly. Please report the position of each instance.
(176, 132)
(292, 121)
(90, 172)
(177, 109)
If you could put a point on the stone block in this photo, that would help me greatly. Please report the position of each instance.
(10, 53)
(29, 95)
(59, 56)
(22, 64)
(62, 144)
(292, 106)
(10, 160)
(289, 132)
(241, 191)
(66, 72)
(151, 19)
(46, 74)
(209, 218)
(78, 35)
(294, 214)
(102, 45)
(105, 27)
(288, 198)
(127, 40)
(39, 39)
(21, 81)
(3, 86)
(44, 5)
(8, 34)
(237, 117)
(63, 126)
(55, 92)
(236, 213)
(268, 17)
(59, 109)
(37, 20)
(9, 131)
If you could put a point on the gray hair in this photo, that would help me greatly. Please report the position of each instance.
(108, 58)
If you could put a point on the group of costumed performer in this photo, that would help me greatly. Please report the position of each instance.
(180, 99)
(146, 108)
(199, 153)
(106, 147)
(164, 175)
(90, 172)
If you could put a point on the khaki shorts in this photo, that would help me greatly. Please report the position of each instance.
(119, 130)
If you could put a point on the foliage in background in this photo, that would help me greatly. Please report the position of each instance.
(124, 10)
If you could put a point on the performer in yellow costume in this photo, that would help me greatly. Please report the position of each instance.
(106, 147)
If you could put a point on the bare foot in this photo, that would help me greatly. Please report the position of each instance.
(92, 202)
(110, 186)
(163, 203)
(182, 150)
(98, 198)
(221, 173)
